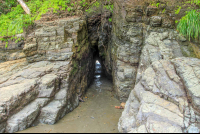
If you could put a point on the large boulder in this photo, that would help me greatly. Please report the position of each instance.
(160, 101)
(25, 117)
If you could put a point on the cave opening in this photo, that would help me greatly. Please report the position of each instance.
(100, 83)
(97, 61)
(91, 89)
(99, 71)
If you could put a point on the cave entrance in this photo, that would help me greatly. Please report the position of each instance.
(97, 113)
(98, 68)
(98, 63)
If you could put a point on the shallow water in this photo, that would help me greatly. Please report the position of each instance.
(96, 114)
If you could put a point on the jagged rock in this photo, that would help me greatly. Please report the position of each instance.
(22, 84)
(181, 38)
(49, 86)
(159, 100)
(167, 23)
(157, 46)
(10, 56)
(153, 109)
(157, 126)
(155, 21)
(30, 49)
(13, 96)
(189, 71)
(161, 79)
(25, 117)
(45, 75)
(58, 55)
(128, 121)
(2, 127)
(193, 129)
(151, 10)
(51, 113)
(49, 31)
(125, 49)
(140, 129)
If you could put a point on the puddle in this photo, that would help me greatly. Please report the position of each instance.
(96, 115)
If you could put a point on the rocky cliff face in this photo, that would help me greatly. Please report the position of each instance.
(150, 69)
(48, 83)
(141, 34)
(164, 98)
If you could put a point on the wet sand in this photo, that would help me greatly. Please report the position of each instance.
(96, 115)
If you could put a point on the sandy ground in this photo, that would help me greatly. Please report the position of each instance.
(96, 115)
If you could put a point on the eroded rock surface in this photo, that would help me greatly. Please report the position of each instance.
(43, 79)
(160, 100)
(37, 80)
(141, 34)
(44, 86)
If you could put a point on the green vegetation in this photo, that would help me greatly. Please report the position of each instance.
(163, 11)
(197, 2)
(74, 68)
(109, 7)
(72, 4)
(14, 21)
(178, 10)
(91, 7)
(6, 45)
(157, 4)
(152, 3)
(189, 25)
(83, 3)
(69, 9)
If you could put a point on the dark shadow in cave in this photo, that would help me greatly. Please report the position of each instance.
(99, 71)
(97, 61)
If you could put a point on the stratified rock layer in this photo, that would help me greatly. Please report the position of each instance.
(43, 80)
(164, 87)
(141, 34)
(161, 99)
(44, 86)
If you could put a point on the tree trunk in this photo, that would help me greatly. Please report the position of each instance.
(24, 6)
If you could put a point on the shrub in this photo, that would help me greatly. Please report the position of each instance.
(14, 21)
(189, 25)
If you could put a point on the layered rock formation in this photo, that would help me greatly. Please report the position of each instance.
(43, 77)
(141, 34)
(162, 83)
(165, 98)
(47, 84)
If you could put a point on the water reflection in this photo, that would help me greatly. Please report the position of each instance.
(97, 76)
(96, 115)
(97, 67)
